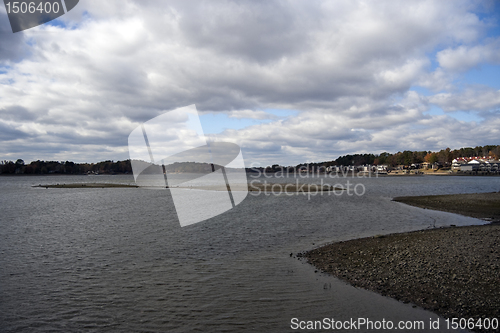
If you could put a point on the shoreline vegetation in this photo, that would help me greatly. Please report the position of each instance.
(254, 187)
(400, 162)
(452, 271)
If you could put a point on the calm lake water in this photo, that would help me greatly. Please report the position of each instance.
(117, 260)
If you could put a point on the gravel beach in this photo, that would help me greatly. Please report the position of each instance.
(479, 205)
(454, 272)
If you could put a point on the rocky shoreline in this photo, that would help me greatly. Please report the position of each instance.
(454, 272)
(479, 205)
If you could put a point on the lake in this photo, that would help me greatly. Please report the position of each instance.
(116, 259)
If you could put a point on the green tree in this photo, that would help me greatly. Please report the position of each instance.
(431, 158)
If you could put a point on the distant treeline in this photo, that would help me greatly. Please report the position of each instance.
(105, 167)
(407, 157)
(55, 167)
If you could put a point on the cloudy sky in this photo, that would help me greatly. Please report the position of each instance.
(288, 81)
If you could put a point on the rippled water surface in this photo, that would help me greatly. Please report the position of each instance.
(116, 259)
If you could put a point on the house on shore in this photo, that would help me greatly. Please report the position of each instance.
(482, 166)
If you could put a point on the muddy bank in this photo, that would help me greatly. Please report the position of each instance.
(454, 272)
(479, 205)
(86, 185)
(254, 187)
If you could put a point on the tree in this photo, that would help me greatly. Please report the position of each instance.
(431, 158)
(444, 156)
(382, 158)
(407, 157)
(496, 153)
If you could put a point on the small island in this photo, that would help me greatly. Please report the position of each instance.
(275, 188)
(86, 185)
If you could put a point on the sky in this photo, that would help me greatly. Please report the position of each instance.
(288, 81)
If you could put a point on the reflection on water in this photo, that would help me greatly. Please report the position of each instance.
(117, 260)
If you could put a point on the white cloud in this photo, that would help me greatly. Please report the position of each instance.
(465, 57)
(438, 80)
(469, 100)
(346, 66)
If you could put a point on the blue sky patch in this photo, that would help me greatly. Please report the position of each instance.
(486, 74)
(57, 23)
(434, 111)
(218, 123)
(421, 90)
(465, 116)
(214, 123)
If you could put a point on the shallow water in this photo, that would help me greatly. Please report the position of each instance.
(116, 259)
